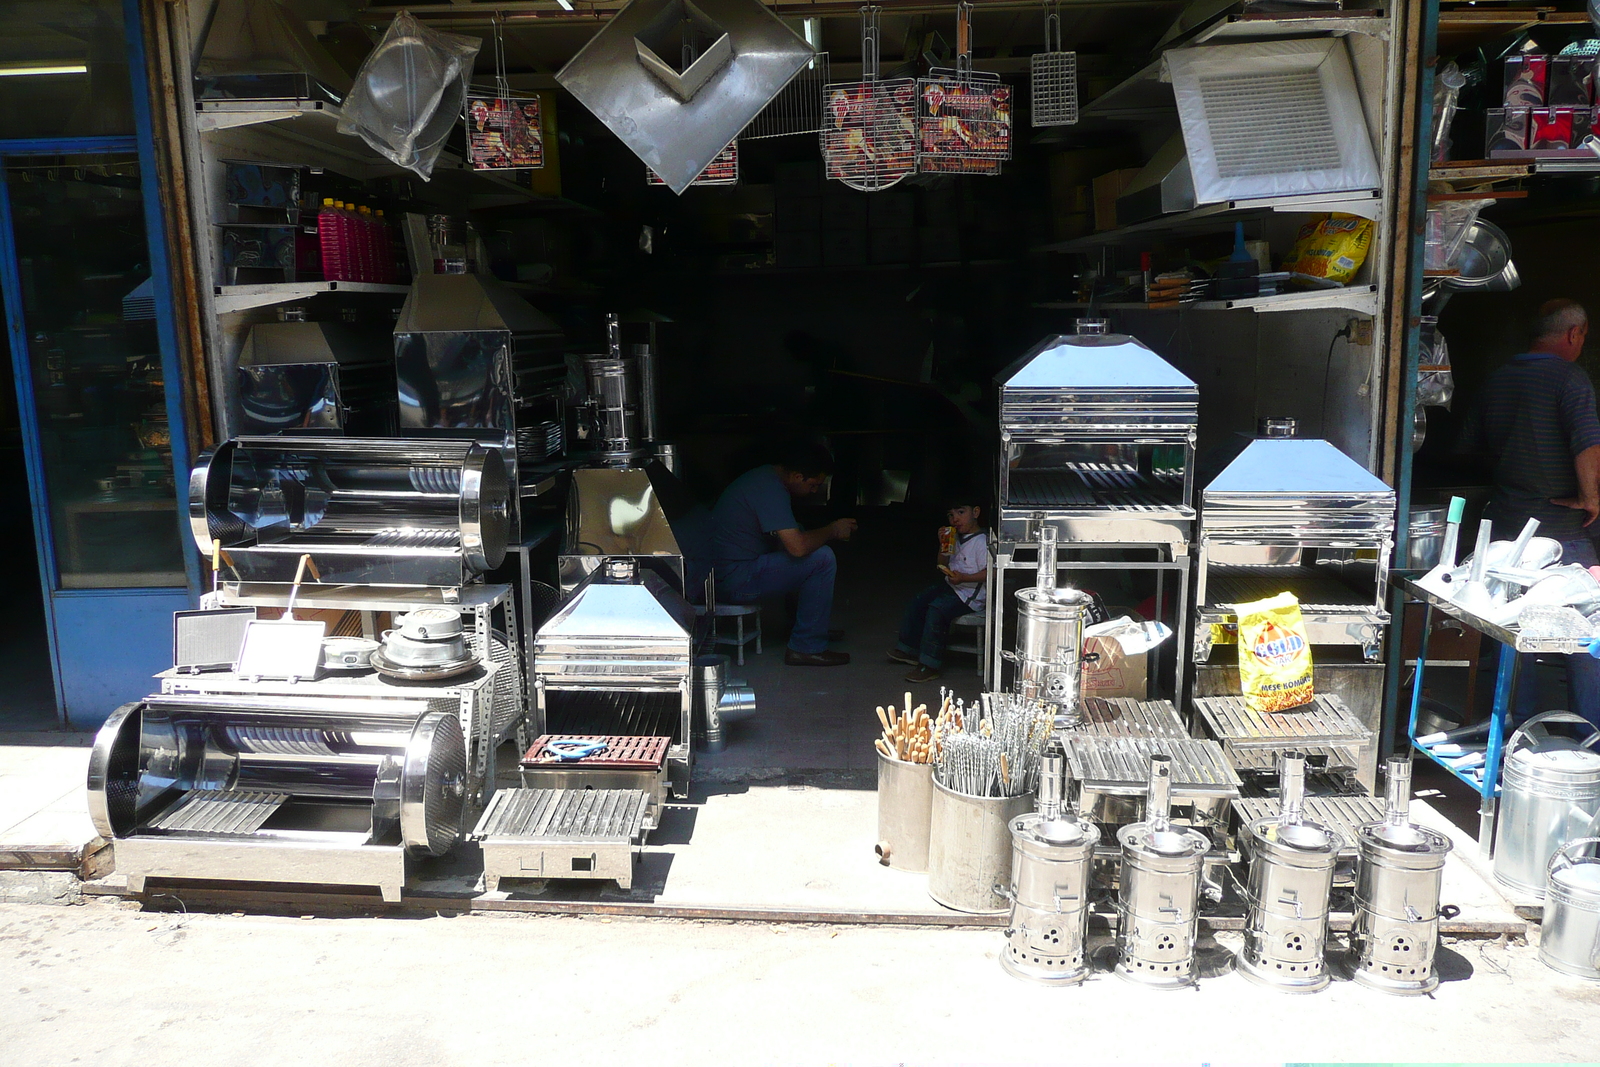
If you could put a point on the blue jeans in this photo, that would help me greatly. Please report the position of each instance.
(1583, 671)
(811, 577)
(926, 627)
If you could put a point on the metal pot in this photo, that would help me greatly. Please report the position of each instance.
(1550, 794)
(1158, 906)
(1425, 537)
(969, 849)
(905, 813)
(1050, 620)
(1399, 868)
(429, 624)
(1569, 937)
(614, 396)
(1291, 878)
(403, 651)
(1052, 855)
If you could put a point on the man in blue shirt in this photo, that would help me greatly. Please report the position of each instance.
(1537, 423)
(761, 550)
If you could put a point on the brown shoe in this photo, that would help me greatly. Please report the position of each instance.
(896, 656)
(924, 674)
(817, 659)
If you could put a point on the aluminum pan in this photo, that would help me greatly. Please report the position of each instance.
(677, 138)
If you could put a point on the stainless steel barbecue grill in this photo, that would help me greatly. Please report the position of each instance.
(369, 511)
(1115, 776)
(1097, 437)
(267, 788)
(1254, 739)
(1296, 516)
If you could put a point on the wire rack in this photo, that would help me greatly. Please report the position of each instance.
(869, 134)
(801, 107)
(723, 170)
(1054, 78)
(963, 116)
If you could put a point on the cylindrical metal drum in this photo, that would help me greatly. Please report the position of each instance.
(1550, 793)
(1050, 622)
(1569, 937)
(1399, 869)
(905, 813)
(710, 678)
(644, 358)
(614, 394)
(1291, 879)
(1158, 907)
(1052, 854)
(969, 849)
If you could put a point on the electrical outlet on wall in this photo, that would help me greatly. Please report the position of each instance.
(1361, 331)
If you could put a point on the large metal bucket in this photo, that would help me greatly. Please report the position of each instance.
(905, 813)
(969, 849)
(1425, 537)
(1569, 937)
(1550, 794)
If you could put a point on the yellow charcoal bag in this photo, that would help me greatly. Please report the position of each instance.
(1274, 655)
(1332, 247)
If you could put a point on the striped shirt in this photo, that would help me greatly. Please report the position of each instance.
(1536, 414)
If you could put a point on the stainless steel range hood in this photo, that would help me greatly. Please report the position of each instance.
(256, 50)
(1086, 385)
(676, 115)
(311, 377)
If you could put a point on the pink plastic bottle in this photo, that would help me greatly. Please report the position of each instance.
(328, 241)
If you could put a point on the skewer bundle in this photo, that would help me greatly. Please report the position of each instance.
(911, 735)
(996, 752)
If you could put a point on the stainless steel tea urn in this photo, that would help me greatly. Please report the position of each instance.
(1052, 852)
(1569, 937)
(1550, 794)
(1159, 905)
(1399, 867)
(1049, 655)
(1291, 878)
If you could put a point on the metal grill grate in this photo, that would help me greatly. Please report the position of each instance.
(597, 815)
(1122, 764)
(1315, 588)
(1343, 815)
(722, 170)
(615, 712)
(1126, 717)
(1333, 759)
(798, 109)
(1324, 721)
(210, 811)
(1095, 485)
(633, 752)
(509, 684)
(1269, 123)
(1055, 88)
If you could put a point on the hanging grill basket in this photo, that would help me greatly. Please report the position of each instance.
(963, 115)
(724, 170)
(869, 140)
(1055, 78)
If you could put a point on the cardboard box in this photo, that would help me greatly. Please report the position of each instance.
(1107, 187)
(1115, 674)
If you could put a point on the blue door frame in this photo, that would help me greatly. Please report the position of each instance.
(92, 651)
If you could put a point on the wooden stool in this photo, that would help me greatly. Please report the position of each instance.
(738, 613)
(971, 624)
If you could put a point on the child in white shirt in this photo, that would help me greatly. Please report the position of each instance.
(926, 627)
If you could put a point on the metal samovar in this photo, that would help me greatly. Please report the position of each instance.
(1291, 876)
(1158, 909)
(1399, 868)
(1052, 853)
(1049, 655)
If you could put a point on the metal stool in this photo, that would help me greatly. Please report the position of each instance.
(738, 613)
(973, 622)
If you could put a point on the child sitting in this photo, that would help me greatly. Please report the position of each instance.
(964, 564)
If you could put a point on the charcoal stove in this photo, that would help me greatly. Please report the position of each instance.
(281, 789)
(1097, 437)
(1298, 516)
(616, 660)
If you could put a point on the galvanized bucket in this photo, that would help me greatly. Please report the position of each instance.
(1550, 794)
(1569, 937)
(969, 849)
(905, 812)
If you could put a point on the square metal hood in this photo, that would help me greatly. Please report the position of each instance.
(1093, 362)
(1296, 467)
(466, 303)
(678, 118)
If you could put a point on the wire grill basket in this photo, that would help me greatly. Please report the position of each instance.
(723, 170)
(963, 115)
(800, 109)
(869, 136)
(1054, 79)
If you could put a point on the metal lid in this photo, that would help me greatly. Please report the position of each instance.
(1303, 836)
(1167, 842)
(1065, 830)
(1558, 760)
(1063, 600)
(1404, 837)
(1584, 876)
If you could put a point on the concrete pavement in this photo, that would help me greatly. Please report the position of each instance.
(109, 983)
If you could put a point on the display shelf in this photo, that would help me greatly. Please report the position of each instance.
(1363, 202)
(1567, 166)
(1478, 170)
(244, 297)
(1465, 29)
(1358, 298)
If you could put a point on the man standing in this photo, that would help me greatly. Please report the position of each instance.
(1537, 424)
(761, 550)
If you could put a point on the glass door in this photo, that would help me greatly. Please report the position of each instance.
(93, 404)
